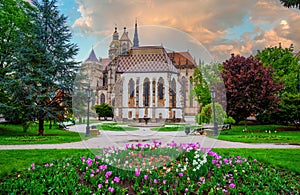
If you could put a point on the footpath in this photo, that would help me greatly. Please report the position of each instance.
(143, 135)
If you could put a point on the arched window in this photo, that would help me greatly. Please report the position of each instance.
(160, 92)
(131, 93)
(191, 89)
(184, 90)
(146, 93)
(102, 99)
(172, 93)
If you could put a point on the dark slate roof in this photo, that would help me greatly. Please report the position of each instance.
(146, 59)
(92, 57)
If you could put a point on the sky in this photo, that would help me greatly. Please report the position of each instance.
(209, 29)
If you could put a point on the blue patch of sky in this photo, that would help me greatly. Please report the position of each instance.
(236, 32)
(69, 8)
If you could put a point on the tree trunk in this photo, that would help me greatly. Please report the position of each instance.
(80, 120)
(41, 127)
(50, 125)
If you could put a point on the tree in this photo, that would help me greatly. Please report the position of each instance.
(290, 109)
(40, 81)
(291, 3)
(104, 110)
(16, 29)
(54, 57)
(250, 87)
(206, 115)
(285, 64)
(201, 87)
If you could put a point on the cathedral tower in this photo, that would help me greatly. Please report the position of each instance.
(114, 47)
(125, 42)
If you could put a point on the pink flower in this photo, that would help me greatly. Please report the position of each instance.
(137, 173)
(218, 165)
(255, 161)
(99, 185)
(155, 181)
(107, 174)
(116, 179)
(47, 165)
(186, 190)
(164, 182)
(180, 174)
(232, 185)
(145, 177)
(92, 175)
(67, 164)
(111, 189)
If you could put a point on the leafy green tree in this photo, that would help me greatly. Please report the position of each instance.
(104, 110)
(285, 64)
(201, 87)
(289, 109)
(39, 81)
(291, 3)
(206, 115)
(250, 87)
(16, 29)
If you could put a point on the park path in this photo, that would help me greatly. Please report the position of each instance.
(143, 135)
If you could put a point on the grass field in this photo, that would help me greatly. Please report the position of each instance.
(13, 134)
(261, 134)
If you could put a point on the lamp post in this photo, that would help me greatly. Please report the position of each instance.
(213, 97)
(88, 91)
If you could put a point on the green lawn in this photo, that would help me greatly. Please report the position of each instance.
(17, 160)
(260, 134)
(13, 134)
(173, 127)
(116, 127)
(285, 158)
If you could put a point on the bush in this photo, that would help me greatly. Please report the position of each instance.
(229, 120)
(104, 110)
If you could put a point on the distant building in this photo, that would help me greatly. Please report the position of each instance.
(143, 81)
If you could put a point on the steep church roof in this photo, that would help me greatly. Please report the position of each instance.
(146, 59)
(92, 57)
(182, 59)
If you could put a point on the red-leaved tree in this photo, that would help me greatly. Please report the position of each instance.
(250, 88)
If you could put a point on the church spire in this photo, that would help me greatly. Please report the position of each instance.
(135, 38)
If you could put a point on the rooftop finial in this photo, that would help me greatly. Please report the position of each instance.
(135, 38)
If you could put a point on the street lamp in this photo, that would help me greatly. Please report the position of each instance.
(213, 97)
(89, 94)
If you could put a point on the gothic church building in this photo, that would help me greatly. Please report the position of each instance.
(143, 81)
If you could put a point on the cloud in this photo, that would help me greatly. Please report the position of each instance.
(209, 21)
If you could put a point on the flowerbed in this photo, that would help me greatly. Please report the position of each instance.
(153, 169)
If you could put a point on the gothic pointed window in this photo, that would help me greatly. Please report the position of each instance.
(184, 90)
(146, 93)
(191, 96)
(172, 94)
(160, 93)
(131, 93)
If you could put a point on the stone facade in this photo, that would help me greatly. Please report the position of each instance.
(143, 81)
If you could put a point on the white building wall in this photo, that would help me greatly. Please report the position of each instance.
(141, 109)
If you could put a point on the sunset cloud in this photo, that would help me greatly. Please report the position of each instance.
(209, 21)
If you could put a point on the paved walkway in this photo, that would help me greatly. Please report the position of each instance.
(143, 135)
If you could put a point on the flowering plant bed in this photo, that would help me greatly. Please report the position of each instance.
(153, 169)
